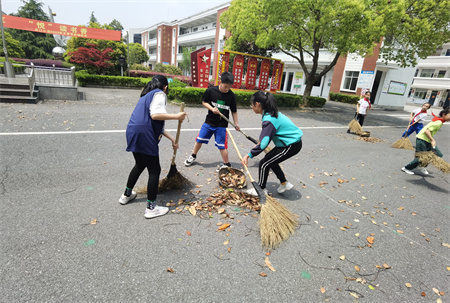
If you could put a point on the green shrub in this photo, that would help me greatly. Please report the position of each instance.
(137, 66)
(167, 69)
(351, 99)
(316, 101)
(85, 78)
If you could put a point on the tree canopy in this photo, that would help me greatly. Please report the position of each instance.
(302, 28)
(118, 49)
(35, 45)
(14, 49)
(137, 54)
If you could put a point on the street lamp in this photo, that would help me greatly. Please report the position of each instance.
(9, 72)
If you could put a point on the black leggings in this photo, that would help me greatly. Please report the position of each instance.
(273, 158)
(154, 170)
(360, 119)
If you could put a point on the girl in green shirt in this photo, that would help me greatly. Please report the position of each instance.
(425, 141)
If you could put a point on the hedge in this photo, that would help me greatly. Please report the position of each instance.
(351, 99)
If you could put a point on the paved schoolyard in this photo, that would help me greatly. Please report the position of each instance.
(63, 165)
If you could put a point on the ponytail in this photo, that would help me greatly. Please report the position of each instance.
(267, 101)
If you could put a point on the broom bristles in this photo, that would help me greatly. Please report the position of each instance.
(276, 222)
(355, 127)
(177, 181)
(403, 143)
(428, 157)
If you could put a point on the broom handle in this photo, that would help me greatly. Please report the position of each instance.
(178, 134)
(239, 155)
(266, 150)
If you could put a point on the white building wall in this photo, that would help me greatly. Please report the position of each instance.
(388, 96)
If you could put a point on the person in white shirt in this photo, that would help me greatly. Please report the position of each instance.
(415, 122)
(362, 107)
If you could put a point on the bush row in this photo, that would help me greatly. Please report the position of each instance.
(351, 99)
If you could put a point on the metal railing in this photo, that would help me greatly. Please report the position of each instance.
(42, 75)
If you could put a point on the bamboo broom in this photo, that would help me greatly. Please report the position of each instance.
(429, 157)
(403, 143)
(276, 222)
(354, 125)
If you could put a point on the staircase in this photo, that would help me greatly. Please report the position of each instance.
(17, 91)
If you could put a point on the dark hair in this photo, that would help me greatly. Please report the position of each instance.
(267, 101)
(158, 81)
(227, 78)
(445, 111)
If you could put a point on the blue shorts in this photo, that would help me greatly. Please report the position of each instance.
(220, 136)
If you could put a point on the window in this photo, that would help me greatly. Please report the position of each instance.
(350, 80)
(427, 73)
(214, 24)
(195, 29)
(317, 83)
(173, 50)
(448, 52)
(441, 74)
(420, 93)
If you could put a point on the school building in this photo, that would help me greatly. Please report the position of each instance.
(391, 85)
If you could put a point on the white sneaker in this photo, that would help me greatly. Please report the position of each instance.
(156, 212)
(219, 167)
(189, 161)
(124, 199)
(285, 187)
(252, 191)
(409, 172)
(423, 170)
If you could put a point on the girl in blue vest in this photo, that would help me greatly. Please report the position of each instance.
(278, 128)
(144, 131)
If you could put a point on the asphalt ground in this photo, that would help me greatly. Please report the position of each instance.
(64, 164)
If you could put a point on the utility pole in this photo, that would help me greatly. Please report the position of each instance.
(9, 71)
(128, 52)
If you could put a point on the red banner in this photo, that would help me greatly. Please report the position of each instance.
(264, 74)
(238, 68)
(250, 77)
(60, 29)
(203, 65)
(276, 76)
(194, 66)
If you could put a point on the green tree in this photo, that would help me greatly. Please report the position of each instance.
(302, 28)
(137, 54)
(119, 49)
(35, 45)
(14, 49)
(92, 19)
(185, 63)
(116, 25)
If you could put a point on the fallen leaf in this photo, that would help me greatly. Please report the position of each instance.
(188, 233)
(94, 221)
(386, 266)
(262, 274)
(439, 300)
(221, 210)
(224, 226)
(400, 231)
(370, 239)
(219, 223)
(170, 270)
(355, 295)
(401, 208)
(192, 210)
(422, 234)
(229, 249)
(268, 253)
(446, 245)
(226, 242)
(423, 294)
(357, 268)
(408, 285)
(342, 257)
(268, 264)
(322, 290)
(436, 290)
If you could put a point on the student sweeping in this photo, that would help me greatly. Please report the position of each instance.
(415, 122)
(362, 107)
(278, 128)
(217, 99)
(144, 131)
(425, 141)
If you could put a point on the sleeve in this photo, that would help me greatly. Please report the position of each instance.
(158, 104)
(267, 133)
(206, 96)
(233, 107)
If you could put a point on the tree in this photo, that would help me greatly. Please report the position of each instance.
(185, 63)
(35, 45)
(14, 49)
(302, 28)
(116, 25)
(91, 58)
(92, 19)
(137, 54)
(119, 48)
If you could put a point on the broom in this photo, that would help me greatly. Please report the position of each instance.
(174, 178)
(354, 125)
(403, 143)
(276, 222)
(425, 158)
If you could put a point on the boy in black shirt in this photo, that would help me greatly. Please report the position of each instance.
(217, 99)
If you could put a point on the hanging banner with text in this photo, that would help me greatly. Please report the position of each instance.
(203, 65)
(365, 79)
(238, 70)
(60, 29)
(252, 69)
(277, 74)
(194, 67)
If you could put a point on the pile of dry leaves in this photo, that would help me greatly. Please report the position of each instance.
(232, 178)
(369, 139)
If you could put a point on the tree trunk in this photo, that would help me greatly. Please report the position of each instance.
(308, 89)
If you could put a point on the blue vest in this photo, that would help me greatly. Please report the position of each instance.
(144, 133)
